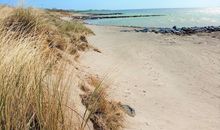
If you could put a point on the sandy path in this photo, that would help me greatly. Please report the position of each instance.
(172, 82)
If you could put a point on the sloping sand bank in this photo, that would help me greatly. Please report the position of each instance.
(172, 82)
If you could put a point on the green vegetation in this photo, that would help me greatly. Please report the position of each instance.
(74, 26)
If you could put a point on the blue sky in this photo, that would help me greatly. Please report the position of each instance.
(116, 4)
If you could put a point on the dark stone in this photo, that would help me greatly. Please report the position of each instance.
(183, 28)
(145, 30)
(174, 27)
(155, 31)
(125, 31)
(128, 110)
(165, 30)
(177, 32)
(136, 30)
(161, 30)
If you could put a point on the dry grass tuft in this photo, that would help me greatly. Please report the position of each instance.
(26, 22)
(22, 21)
(32, 95)
(94, 80)
(104, 114)
(63, 35)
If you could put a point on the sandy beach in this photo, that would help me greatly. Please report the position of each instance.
(172, 82)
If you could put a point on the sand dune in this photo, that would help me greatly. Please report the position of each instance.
(172, 82)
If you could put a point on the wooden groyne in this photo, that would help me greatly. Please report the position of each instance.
(93, 17)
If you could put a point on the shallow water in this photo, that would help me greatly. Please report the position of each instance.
(179, 17)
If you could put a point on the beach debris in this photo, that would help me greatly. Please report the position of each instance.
(128, 110)
(97, 50)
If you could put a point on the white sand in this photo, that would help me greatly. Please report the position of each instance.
(172, 82)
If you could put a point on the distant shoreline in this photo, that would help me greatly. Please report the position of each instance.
(162, 30)
(185, 20)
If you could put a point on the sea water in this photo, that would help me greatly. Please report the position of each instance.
(169, 17)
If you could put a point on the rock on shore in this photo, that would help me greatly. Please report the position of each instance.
(181, 31)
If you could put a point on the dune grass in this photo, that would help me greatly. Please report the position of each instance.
(66, 27)
(30, 96)
(21, 21)
(33, 94)
(34, 88)
(74, 26)
(104, 114)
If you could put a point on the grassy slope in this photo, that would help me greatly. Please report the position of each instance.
(36, 47)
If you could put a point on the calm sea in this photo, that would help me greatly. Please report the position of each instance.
(179, 17)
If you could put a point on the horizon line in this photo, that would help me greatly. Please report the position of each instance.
(141, 8)
(114, 9)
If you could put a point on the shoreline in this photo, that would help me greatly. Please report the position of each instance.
(164, 30)
(183, 30)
